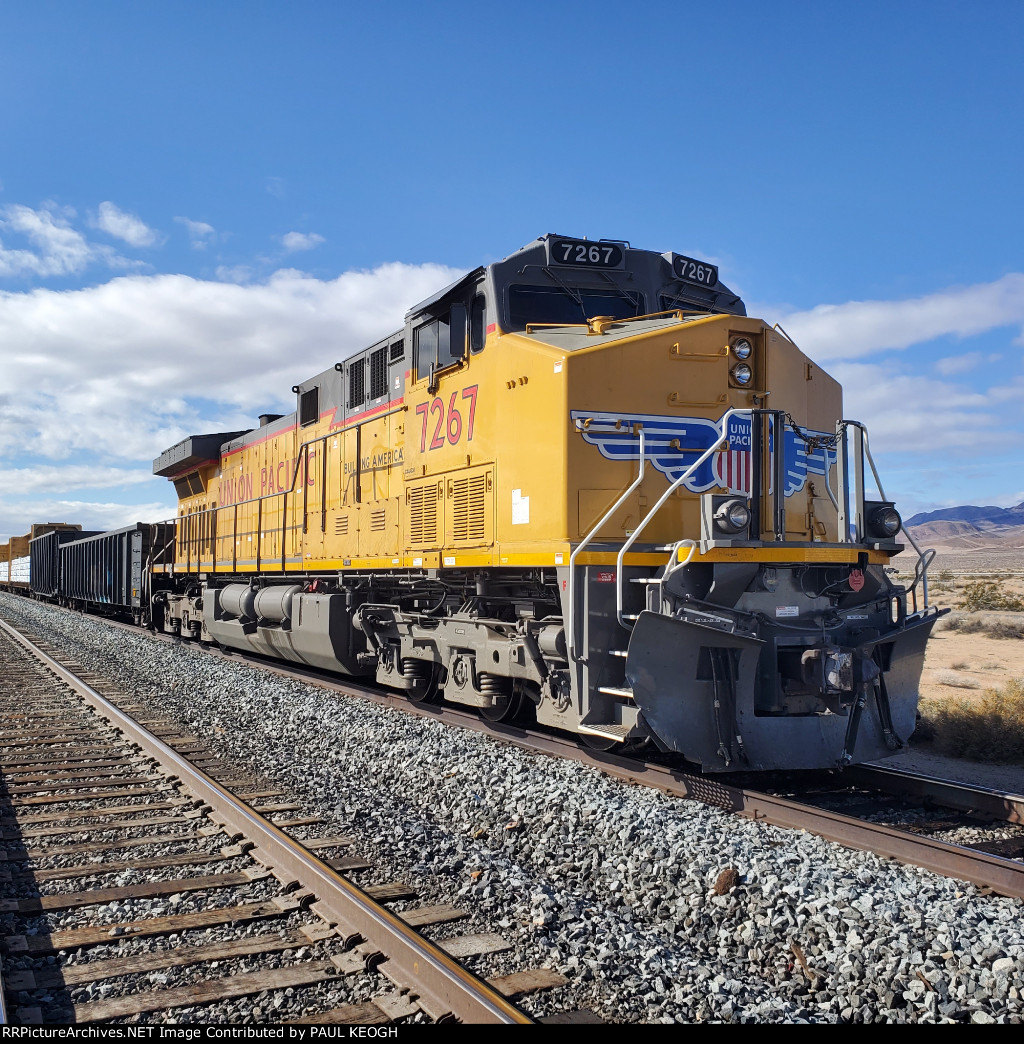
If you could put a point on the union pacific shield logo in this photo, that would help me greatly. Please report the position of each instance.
(673, 444)
(733, 467)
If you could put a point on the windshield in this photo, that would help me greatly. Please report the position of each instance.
(552, 304)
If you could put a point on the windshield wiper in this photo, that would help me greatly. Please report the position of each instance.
(626, 295)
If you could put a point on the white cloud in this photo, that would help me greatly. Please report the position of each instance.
(199, 232)
(294, 241)
(122, 225)
(859, 328)
(234, 273)
(49, 479)
(57, 249)
(958, 363)
(17, 516)
(909, 413)
(111, 369)
(1009, 499)
(954, 364)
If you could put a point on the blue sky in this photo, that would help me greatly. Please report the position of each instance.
(203, 203)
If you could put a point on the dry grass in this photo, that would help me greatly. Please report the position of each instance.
(954, 680)
(994, 628)
(984, 728)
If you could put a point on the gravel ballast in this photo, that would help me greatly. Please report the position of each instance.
(611, 884)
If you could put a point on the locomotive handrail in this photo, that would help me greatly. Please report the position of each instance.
(924, 558)
(570, 636)
(711, 450)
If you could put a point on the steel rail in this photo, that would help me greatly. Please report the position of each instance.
(966, 797)
(443, 988)
(1005, 876)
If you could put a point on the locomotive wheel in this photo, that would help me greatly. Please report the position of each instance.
(506, 708)
(517, 706)
(425, 695)
(602, 743)
(429, 689)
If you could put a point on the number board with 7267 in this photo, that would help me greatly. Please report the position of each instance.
(585, 253)
(690, 270)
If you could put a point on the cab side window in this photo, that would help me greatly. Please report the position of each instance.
(440, 342)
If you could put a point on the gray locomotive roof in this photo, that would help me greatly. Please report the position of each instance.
(192, 450)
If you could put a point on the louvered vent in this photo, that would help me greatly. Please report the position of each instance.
(378, 373)
(377, 521)
(468, 511)
(356, 383)
(341, 525)
(423, 515)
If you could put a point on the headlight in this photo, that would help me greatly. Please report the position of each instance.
(742, 348)
(887, 520)
(732, 516)
(742, 373)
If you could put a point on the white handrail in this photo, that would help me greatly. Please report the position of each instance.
(570, 631)
(716, 448)
(924, 557)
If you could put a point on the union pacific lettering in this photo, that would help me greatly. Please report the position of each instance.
(275, 478)
(236, 489)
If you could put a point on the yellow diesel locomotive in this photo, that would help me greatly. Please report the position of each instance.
(580, 484)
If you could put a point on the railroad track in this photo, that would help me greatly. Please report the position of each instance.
(996, 866)
(106, 825)
(798, 808)
(999, 873)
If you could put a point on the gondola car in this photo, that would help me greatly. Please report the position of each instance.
(18, 556)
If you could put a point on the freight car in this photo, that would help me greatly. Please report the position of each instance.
(44, 559)
(110, 572)
(581, 483)
(16, 557)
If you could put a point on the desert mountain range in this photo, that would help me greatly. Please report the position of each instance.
(969, 528)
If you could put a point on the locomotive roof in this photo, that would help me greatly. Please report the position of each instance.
(647, 270)
(448, 291)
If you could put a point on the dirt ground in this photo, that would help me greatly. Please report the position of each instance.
(962, 665)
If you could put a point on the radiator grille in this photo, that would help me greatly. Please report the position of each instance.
(469, 512)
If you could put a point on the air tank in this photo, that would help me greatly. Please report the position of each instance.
(238, 600)
(275, 603)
